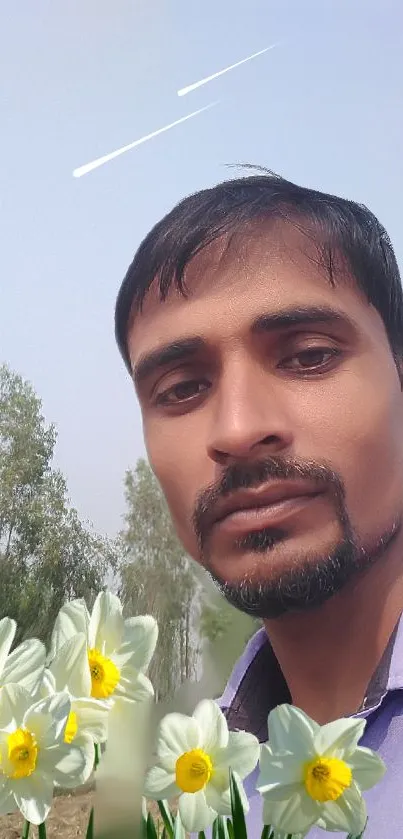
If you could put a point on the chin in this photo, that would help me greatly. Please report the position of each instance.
(264, 557)
(267, 577)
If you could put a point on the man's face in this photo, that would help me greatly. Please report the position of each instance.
(275, 433)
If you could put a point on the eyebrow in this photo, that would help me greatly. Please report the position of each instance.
(157, 359)
(184, 349)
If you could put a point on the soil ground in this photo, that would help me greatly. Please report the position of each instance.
(68, 818)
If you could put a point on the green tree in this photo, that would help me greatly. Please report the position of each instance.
(158, 578)
(46, 554)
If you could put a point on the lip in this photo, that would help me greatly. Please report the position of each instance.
(263, 508)
(257, 518)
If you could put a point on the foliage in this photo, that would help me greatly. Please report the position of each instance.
(225, 631)
(159, 579)
(46, 553)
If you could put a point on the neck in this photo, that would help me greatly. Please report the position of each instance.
(329, 655)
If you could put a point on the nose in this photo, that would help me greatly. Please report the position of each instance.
(251, 418)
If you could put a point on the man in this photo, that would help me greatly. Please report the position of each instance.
(262, 324)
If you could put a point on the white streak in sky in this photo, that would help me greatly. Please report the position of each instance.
(184, 90)
(88, 167)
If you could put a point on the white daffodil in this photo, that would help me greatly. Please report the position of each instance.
(25, 665)
(311, 774)
(102, 655)
(194, 756)
(33, 754)
(88, 718)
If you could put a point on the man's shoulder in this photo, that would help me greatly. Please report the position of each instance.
(255, 687)
(254, 645)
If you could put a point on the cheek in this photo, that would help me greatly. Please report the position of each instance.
(363, 441)
(177, 464)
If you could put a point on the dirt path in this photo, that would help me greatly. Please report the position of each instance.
(68, 819)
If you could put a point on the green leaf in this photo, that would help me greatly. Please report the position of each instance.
(166, 818)
(230, 829)
(26, 829)
(202, 834)
(151, 829)
(267, 832)
(90, 829)
(238, 815)
(179, 829)
(222, 828)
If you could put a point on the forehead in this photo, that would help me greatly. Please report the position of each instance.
(233, 281)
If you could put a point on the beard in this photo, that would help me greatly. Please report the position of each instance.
(312, 578)
(308, 584)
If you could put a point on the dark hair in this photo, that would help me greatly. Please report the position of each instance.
(340, 229)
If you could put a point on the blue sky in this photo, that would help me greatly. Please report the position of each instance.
(81, 78)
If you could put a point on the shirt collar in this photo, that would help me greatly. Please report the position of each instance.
(257, 685)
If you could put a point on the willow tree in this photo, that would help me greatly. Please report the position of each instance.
(158, 578)
(47, 555)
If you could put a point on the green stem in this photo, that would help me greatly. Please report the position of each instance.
(96, 761)
(90, 828)
(42, 831)
(26, 829)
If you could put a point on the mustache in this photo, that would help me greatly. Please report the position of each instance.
(252, 475)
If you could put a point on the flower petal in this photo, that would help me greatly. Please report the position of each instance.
(218, 801)
(339, 738)
(92, 718)
(291, 730)
(160, 784)
(348, 814)
(219, 797)
(8, 628)
(14, 703)
(140, 637)
(194, 811)
(367, 767)
(280, 775)
(33, 797)
(177, 734)
(72, 618)
(295, 814)
(70, 668)
(213, 726)
(7, 801)
(179, 830)
(70, 765)
(47, 719)
(241, 754)
(279, 834)
(106, 624)
(48, 686)
(134, 685)
(242, 793)
(25, 665)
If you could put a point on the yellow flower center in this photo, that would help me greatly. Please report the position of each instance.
(193, 770)
(22, 754)
(104, 675)
(326, 778)
(71, 727)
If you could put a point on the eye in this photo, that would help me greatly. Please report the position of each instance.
(314, 359)
(182, 392)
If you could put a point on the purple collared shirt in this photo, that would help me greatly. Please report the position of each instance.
(256, 686)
